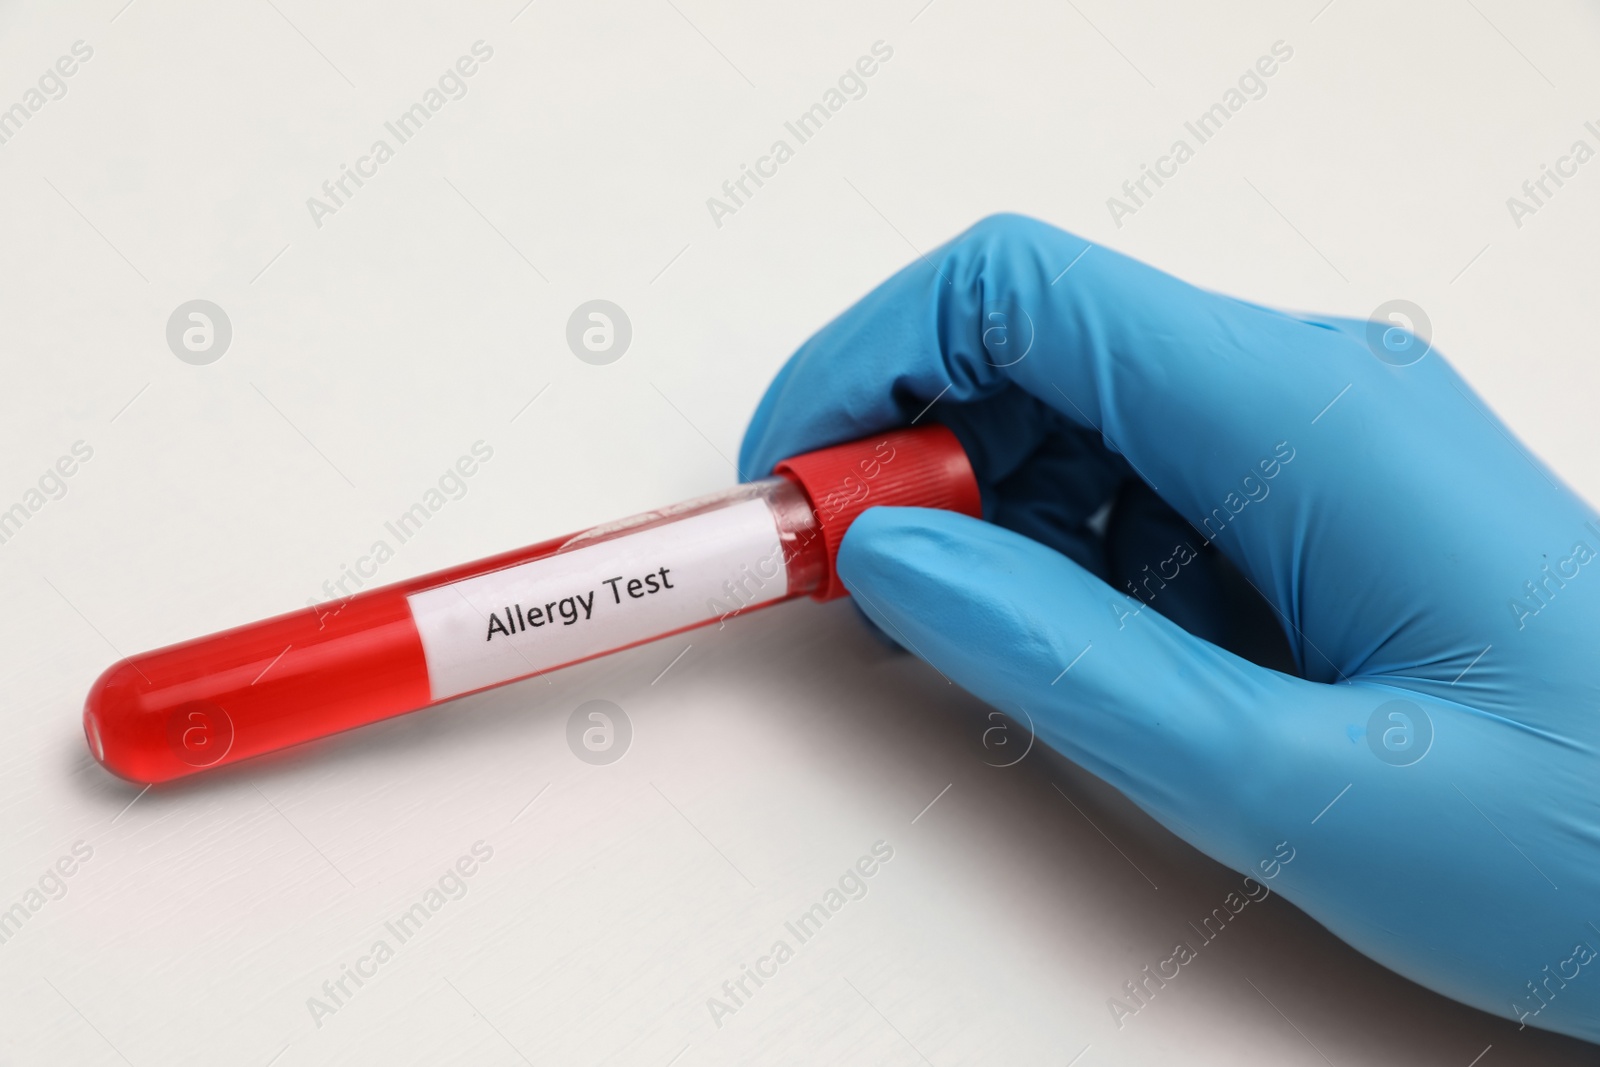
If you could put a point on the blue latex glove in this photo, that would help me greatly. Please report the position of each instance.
(1429, 754)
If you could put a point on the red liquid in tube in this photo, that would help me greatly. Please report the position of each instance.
(383, 652)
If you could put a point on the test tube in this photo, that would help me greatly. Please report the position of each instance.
(383, 652)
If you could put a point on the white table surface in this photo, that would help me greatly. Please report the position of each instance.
(371, 351)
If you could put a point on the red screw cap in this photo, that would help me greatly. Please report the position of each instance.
(919, 468)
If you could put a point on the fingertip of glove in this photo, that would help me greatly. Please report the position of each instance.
(892, 544)
(899, 565)
(929, 570)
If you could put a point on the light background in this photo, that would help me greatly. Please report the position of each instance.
(372, 351)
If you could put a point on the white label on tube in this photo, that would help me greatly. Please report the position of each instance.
(513, 622)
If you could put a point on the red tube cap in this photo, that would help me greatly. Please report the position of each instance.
(917, 468)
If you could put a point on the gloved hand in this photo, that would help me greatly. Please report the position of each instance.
(1430, 752)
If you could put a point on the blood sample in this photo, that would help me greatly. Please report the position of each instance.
(386, 651)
